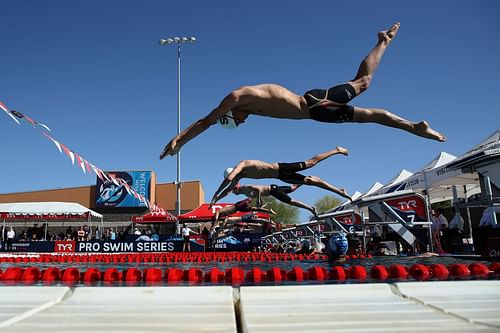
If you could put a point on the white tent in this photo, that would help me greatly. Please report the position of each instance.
(395, 183)
(435, 180)
(373, 189)
(484, 157)
(46, 208)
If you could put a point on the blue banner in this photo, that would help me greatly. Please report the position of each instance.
(109, 194)
(237, 242)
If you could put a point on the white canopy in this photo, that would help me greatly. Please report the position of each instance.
(46, 208)
(395, 183)
(435, 179)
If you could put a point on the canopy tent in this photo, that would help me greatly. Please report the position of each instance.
(484, 157)
(45, 210)
(395, 183)
(155, 217)
(205, 213)
(435, 179)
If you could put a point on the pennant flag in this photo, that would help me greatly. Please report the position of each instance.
(28, 119)
(3, 107)
(69, 153)
(97, 171)
(84, 164)
(87, 166)
(53, 140)
(80, 161)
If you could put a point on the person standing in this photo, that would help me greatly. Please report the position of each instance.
(185, 236)
(11, 234)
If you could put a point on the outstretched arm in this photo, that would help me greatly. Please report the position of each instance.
(229, 102)
(227, 184)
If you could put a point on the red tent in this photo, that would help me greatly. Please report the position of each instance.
(205, 213)
(155, 217)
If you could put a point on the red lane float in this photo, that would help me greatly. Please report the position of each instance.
(236, 275)
(379, 272)
(419, 272)
(439, 271)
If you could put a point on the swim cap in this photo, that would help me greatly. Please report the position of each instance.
(227, 172)
(227, 120)
(337, 246)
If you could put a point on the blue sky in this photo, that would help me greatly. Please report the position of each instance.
(94, 72)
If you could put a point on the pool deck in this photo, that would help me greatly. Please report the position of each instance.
(449, 306)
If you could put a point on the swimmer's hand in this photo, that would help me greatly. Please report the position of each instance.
(171, 149)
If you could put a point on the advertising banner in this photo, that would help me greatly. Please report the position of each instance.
(238, 242)
(159, 245)
(111, 194)
(136, 246)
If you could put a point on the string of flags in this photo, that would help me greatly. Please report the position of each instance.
(85, 165)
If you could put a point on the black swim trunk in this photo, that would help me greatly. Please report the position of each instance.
(330, 106)
(244, 205)
(280, 193)
(287, 172)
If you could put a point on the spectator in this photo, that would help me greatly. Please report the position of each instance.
(137, 232)
(81, 234)
(11, 234)
(24, 236)
(185, 235)
(487, 219)
(112, 234)
(376, 233)
(438, 222)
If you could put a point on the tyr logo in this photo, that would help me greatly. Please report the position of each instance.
(407, 205)
(64, 246)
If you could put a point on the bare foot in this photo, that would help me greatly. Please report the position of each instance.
(424, 130)
(313, 210)
(388, 35)
(343, 193)
(342, 150)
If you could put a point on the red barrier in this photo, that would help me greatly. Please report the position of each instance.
(276, 274)
(256, 275)
(214, 276)
(297, 274)
(459, 271)
(479, 270)
(419, 272)
(398, 272)
(357, 273)
(338, 273)
(153, 275)
(51, 274)
(111, 275)
(70, 275)
(31, 275)
(173, 275)
(193, 275)
(317, 273)
(234, 275)
(91, 275)
(132, 275)
(12, 274)
(439, 271)
(379, 272)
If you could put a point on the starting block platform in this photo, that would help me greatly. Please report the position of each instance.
(449, 306)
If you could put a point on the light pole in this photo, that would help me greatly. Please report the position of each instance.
(178, 41)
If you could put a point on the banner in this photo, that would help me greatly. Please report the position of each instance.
(237, 242)
(172, 245)
(134, 187)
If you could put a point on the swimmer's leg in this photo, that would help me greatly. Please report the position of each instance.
(320, 157)
(384, 117)
(316, 181)
(369, 64)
